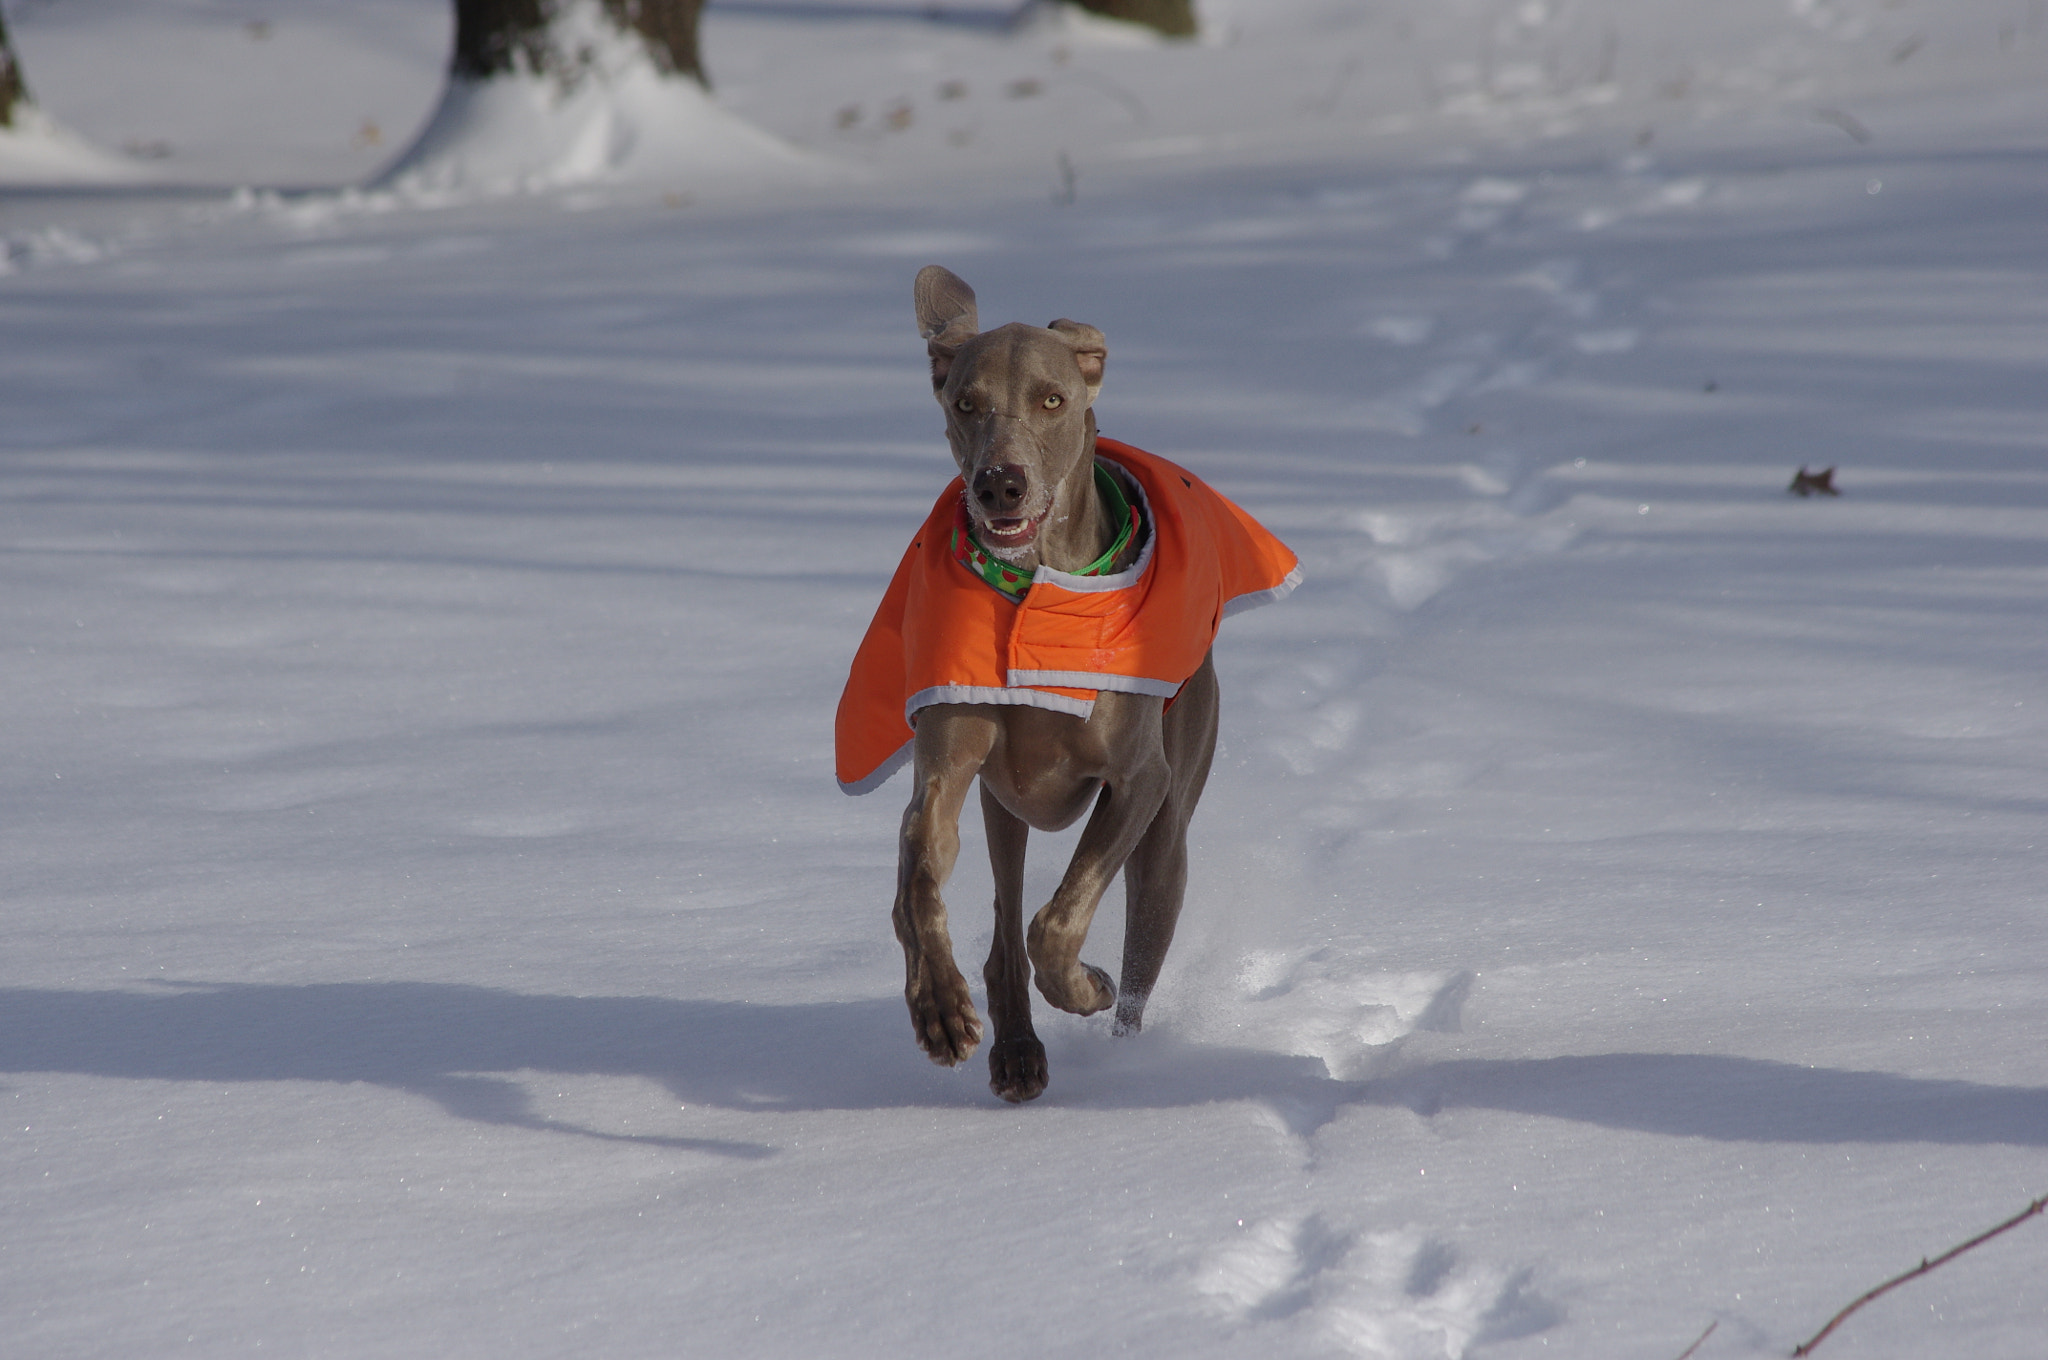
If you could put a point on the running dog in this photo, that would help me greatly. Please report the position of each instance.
(1047, 634)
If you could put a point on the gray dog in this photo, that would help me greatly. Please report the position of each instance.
(1052, 548)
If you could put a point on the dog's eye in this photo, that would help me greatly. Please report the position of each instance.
(1052, 403)
(964, 404)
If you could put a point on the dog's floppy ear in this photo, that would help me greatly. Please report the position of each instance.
(1091, 352)
(945, 316)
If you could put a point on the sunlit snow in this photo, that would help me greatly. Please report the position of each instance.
(433, 928)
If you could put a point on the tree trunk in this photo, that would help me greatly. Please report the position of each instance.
(1174, 18)
(500, 37)
(543, 94)
(12, 92)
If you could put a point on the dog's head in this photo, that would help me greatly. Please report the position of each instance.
(1018, 402)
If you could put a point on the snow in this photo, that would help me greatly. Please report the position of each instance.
(616, 118)
(433, 926)
(285, 92)
(38, 148)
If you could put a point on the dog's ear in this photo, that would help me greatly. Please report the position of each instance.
(945, 316)
(1091, 352)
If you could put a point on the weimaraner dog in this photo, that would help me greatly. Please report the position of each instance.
(1093, 686)
(1020, 419)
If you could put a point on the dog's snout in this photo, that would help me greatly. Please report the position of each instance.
(1000, 490)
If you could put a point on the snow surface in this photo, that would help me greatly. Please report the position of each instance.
(285, 92)
(615, 118)
(434, 930)
(36, 148)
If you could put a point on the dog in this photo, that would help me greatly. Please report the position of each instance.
(1048, 636)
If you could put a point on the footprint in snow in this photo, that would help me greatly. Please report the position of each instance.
(1421, 553)
(1390, 1295)
(1328, 1005)
(1399, 329)
(1406, 410)
(1314, 707)
(1486, 204)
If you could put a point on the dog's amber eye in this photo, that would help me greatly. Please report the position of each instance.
(964, 404)
(1052, 403)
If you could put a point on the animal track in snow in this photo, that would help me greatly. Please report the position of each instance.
(1421, 553)
(1571, 320)
(1561, 281)
(1335, 1007)
(1618, 340)
(1389, 1295)
(1487, 202)
(48, 245)
(1406, 409)
(1646, 198)
(1271, 1271)
(1399, 329)
(1315, 706)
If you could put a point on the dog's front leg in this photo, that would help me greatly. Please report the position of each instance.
(951, 746)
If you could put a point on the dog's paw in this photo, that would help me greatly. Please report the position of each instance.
(1081, 989)
(1105, 989)
(1016, 1069)
(942, 1014)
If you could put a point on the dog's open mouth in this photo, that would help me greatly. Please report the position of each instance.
(1013, 532)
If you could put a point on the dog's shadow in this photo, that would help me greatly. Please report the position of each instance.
(463, 1047)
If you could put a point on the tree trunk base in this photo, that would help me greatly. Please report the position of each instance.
(12, 91)
(1174, 18)
(505, 37)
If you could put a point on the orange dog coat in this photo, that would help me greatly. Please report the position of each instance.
(943, 635)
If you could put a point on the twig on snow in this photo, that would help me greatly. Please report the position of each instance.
(1806, 483)
(1923, 1268)
(1690, 1351)
(1844, 120)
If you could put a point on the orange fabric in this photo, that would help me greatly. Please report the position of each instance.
(943, 635)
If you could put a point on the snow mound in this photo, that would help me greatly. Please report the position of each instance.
(615, 119)
(39, 150)
(1059, 21)
(47, 245)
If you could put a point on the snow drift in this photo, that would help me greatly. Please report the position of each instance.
(37, 149)
(604, 113)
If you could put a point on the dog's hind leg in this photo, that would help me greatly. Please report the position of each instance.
(1124, 809)
(1155, 883)
(1016, 1059)
(1156, 875)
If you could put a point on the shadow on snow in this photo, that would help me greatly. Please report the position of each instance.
(457, 1046)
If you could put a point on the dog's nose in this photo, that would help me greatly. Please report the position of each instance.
(999, 490)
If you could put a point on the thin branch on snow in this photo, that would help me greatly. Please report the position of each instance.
(1923, 1268)
(1693, 1349)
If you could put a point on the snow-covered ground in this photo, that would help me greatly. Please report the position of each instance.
(432, 928)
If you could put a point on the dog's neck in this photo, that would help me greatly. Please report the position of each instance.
(1081, 527)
